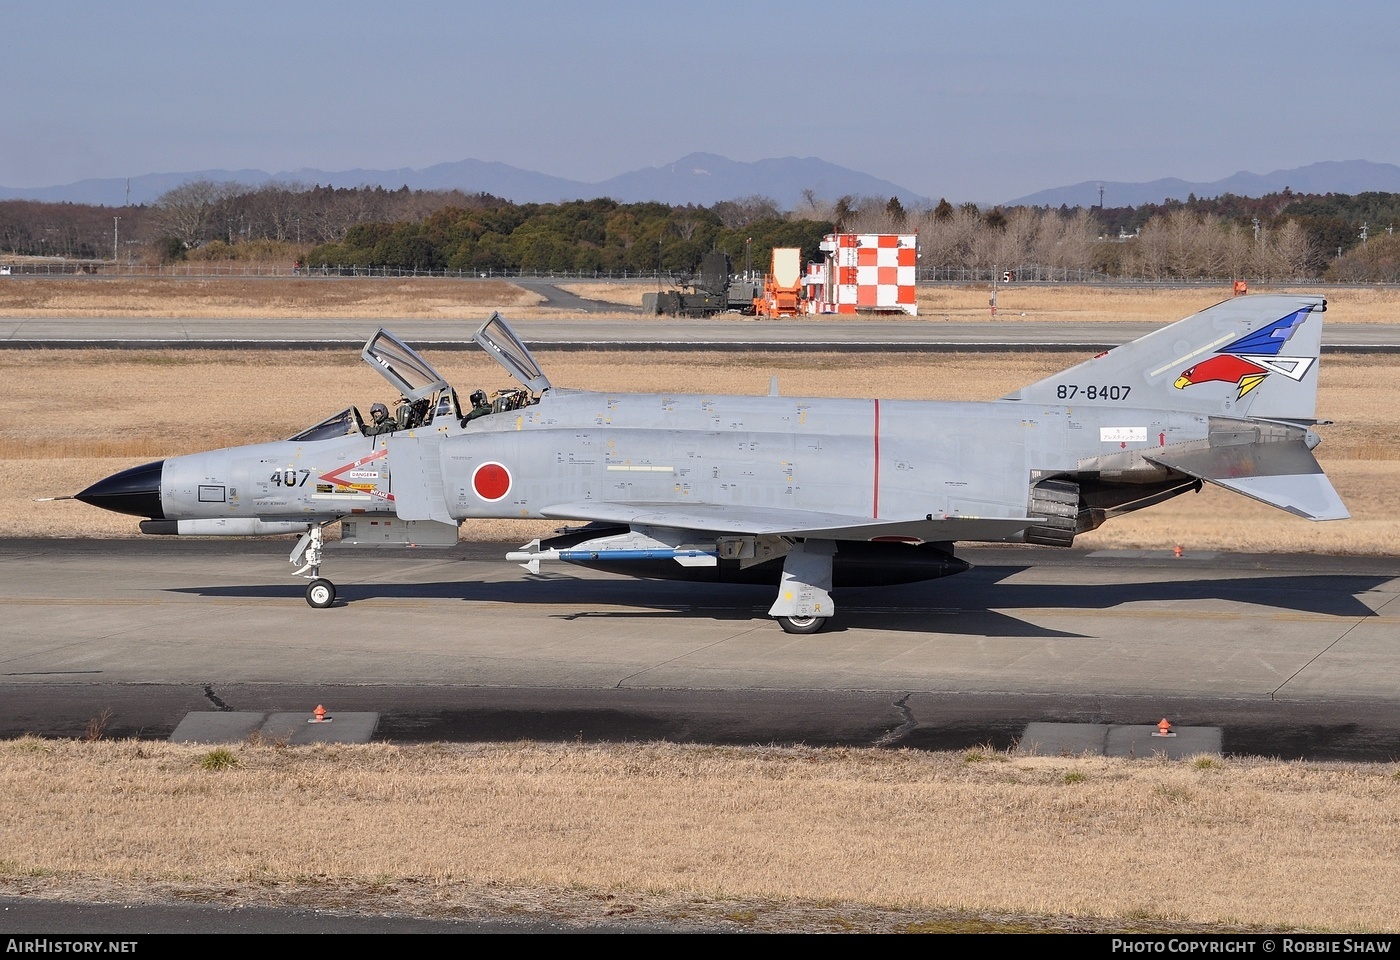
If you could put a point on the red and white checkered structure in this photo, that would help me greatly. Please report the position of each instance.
(864, 273)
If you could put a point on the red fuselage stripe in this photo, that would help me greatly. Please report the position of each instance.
(875, 504)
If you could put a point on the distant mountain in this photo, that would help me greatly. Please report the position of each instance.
(706, 179)
(1331, 176)
(112, 192)
(700, 178)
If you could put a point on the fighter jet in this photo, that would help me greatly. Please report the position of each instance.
(810, 494)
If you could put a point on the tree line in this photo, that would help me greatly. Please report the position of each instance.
(577, 236)
(206, 220)
(1279, 236)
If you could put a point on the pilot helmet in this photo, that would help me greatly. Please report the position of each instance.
(378, 412)
(478, 398)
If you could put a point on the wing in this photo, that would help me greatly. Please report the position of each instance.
(712, 518)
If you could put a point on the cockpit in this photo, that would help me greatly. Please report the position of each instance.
(344, 423)
(424, 395)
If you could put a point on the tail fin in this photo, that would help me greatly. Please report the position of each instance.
(1248, 368)
(1252, 356)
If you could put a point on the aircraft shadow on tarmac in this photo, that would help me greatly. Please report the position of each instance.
(976, 604)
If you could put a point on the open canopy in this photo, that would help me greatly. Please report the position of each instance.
(500, 342)
(400, 364)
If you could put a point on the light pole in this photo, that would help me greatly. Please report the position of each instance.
(115, 257)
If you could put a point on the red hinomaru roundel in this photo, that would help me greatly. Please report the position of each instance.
(491, 481)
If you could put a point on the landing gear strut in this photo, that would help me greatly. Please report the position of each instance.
(320, 592)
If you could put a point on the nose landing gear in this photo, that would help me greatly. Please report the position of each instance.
(320, 592)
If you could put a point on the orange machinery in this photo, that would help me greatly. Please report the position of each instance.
(782, 291)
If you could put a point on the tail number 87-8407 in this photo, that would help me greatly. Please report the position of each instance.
(1068, 391)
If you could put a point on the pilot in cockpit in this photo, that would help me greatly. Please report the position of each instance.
(480, 407)
(380, 421)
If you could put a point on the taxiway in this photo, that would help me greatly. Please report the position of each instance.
(718, 333)
(1291, 656)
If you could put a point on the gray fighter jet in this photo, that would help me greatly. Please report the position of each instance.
(811, 494)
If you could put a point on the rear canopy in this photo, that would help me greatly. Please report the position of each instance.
(500, 342)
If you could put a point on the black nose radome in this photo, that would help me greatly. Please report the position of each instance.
(135, 491)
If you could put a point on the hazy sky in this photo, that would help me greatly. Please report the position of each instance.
(980, 101)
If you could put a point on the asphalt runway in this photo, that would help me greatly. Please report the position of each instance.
(728, 332)
(1294, 657)
(43, 919)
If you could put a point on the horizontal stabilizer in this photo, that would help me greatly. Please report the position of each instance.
(1283, 475)
(1305, 495)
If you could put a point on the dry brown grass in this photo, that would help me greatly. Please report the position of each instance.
(1139, 304)
(663, 831)
(72, 417)
(622, 294)
(263, 297)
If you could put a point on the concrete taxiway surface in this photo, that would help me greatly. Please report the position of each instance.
(720, 333)
(1292, 656)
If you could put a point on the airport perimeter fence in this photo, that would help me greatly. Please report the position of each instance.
(105, 268)
(1024, 274)
(1032, 273)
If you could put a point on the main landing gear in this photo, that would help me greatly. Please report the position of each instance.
(320, 592)
(804, 602)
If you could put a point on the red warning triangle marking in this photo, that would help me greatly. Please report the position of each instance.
(337, 476)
